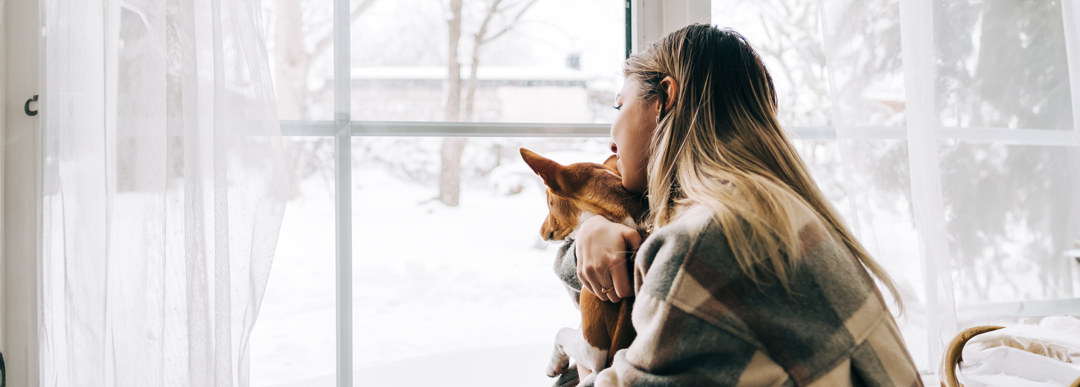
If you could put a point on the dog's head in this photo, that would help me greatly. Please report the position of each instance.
(582, 188)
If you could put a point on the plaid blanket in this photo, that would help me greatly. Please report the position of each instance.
(702, 322)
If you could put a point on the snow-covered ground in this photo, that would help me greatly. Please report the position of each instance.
(436, 288)
(464, 295)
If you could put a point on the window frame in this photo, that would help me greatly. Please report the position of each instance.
(655, 17)
(647, 20)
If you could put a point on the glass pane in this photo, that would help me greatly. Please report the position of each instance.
(300, 45)
(552, 61)
(823, 160)
(787, 36)
(1001, 64)
(294, 340)
(469, 287)
(1012, 214)
(862, 44)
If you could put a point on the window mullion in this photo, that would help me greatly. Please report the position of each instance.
(343, 195)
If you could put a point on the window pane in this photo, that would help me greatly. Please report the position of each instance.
(294, 340)
(787, 36)
(468, 288)
(299, 43)
(862, 44)
(1001, 64)
(551, 61)
(1011, 213)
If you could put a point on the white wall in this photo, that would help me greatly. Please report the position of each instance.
(20, 169)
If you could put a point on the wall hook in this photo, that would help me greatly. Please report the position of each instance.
(26, 107)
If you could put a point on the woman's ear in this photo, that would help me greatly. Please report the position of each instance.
(671, 88)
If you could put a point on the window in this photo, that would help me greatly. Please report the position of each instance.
(956, 166)
(468, 286)
(952, 159)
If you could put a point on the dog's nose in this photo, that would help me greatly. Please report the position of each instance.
(551, 235)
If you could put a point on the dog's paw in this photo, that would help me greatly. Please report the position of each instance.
(560, 369)
(558, 366)
(559, 362)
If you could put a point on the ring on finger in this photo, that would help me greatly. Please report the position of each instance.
(605, 290)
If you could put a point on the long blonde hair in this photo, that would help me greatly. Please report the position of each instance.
(720, 145)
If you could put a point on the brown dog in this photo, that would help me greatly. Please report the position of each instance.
(576, 192)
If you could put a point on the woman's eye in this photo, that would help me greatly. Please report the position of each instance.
(617, 107)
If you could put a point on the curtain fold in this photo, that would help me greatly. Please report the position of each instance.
(164, 189)
(958, 134)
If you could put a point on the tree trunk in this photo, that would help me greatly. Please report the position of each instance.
(450, 167)
(450, 175)
(292, 61)
(478, 42)
(289, 82)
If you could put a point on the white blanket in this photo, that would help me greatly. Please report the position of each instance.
(1041, 355)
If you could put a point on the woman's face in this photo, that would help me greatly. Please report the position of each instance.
(631, 133)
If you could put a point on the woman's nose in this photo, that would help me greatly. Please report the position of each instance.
(614, 148)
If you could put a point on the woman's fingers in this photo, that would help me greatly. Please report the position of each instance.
(620, 271)
(615, 263)
(603, 251)
(620, 279)
(607, 275)
(632, 239)
(591, 274)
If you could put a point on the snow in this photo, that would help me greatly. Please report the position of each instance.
(466, 295)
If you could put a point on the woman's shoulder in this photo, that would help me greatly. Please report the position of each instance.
(691, 221)
(694, 228)
(691, 225)
(694, 249)
(829, 292)
(662, 255)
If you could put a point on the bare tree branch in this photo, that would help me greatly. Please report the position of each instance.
(492, 10)
(510, 25)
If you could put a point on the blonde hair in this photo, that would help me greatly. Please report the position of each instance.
(720, 145)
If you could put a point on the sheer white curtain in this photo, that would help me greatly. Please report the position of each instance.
(957, 127)
(164, 188)
(957, 144)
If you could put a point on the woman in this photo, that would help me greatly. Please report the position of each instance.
(750, 277)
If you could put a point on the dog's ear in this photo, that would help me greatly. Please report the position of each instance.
(612, 163)
(547, 169)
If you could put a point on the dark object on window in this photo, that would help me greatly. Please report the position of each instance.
(3, 372)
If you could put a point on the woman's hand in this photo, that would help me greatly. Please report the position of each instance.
(603, 252)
